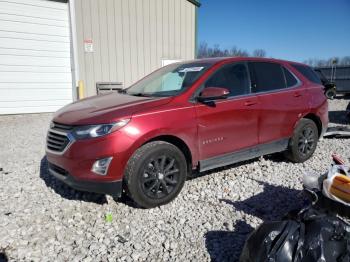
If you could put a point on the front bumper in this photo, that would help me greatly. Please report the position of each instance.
(78, 157)
(113, 188)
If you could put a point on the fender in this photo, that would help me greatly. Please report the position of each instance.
(152, 135)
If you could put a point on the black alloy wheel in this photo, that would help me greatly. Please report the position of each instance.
(306, 141)
(160, 176)
(303, 143)
(155, 174)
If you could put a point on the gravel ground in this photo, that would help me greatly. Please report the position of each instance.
(41, 219)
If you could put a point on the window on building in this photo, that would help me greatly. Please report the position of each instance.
(267, 76)
(234, 77)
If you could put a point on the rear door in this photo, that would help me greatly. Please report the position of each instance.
(228, 125)
(282, 100)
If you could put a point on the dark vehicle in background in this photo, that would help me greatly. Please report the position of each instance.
(339, 75)
(330, 89)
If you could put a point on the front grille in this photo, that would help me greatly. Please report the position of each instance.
(58, 169)
(58, 137)
(61, 127)
(56, 141)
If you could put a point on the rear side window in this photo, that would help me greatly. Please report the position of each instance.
(308, 73)
(267, 76)
(234, 77)
(290, 79)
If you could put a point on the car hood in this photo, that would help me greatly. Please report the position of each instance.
(105, 108)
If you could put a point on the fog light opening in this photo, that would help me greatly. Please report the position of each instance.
(100, 167)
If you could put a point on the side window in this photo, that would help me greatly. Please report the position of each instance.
(290, 79)
(267, 76)
(234, 77)
(308, 73)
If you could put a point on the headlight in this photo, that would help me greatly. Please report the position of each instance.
(90, 131)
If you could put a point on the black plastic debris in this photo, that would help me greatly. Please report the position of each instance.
(337, 131)
(312, 235)
(121, 239)
(319, 232)
(3, 256)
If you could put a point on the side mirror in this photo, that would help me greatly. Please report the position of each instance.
(213, 93)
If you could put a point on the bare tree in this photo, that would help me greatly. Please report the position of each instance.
(345, 60)
(315, 62)
(216, 51)
(259, 53)
(203, 50)
(238, 52)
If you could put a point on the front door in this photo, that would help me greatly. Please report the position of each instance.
(228, 125)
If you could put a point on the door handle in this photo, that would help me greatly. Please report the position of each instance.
(250, 103)
(297, 94)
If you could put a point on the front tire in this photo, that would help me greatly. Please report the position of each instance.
(155, 174)
(304, 141)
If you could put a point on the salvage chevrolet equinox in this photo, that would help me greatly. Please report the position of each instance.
(194, 115)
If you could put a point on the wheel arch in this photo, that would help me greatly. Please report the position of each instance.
(179, 143)
(316, 120)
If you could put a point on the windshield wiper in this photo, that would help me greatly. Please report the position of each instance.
(140, 94)
(122, 91)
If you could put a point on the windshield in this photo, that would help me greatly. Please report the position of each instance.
(170, 80)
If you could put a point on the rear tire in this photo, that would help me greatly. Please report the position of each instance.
(155, 174)
(304, 141)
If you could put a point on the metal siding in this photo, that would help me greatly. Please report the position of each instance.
(159, 35)
(126, 43)
(133, 41)
(80, 36)
(87, 58)
(96, 37)
(130, 38)
(171, 28)
(166, 25)
(180, 29)
(147, 36)
(104, 40)
(140, 20)
(153, 34)
(111, 37)
(193, 31)
(119, 41)
(190, 31)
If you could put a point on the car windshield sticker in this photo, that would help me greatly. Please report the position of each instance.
(191, 69)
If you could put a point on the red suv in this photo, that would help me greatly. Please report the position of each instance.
(200, 114)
